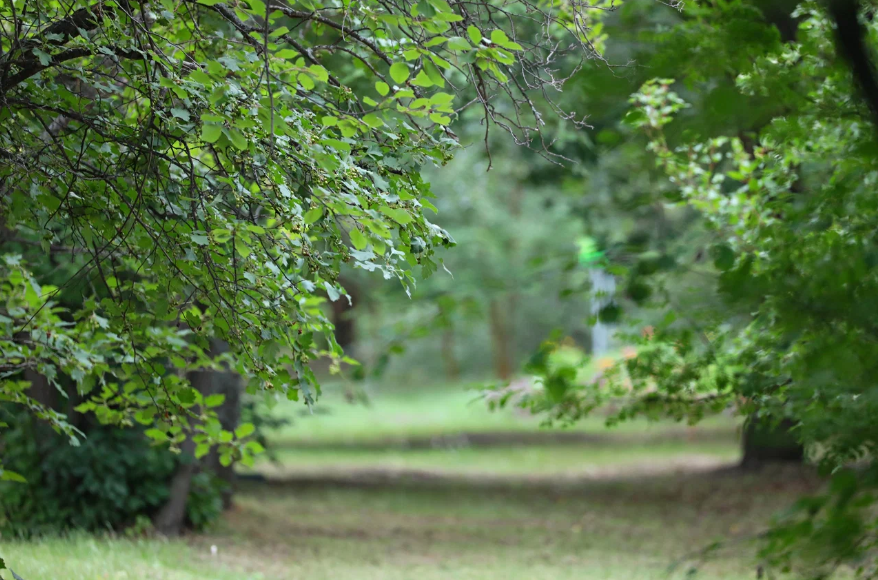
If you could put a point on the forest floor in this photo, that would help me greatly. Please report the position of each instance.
(407, 489)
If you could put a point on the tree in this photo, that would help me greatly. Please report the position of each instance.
(199, 171)
(505, 277)
(790, 215)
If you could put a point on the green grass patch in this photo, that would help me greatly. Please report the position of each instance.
(422, 413)
(507, 461)
(626, 528)
(82, 557)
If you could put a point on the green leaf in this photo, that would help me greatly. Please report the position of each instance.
(723, 257)
(221, 236)
(458, 43)
(237, 138)
(306, 82)
(214, 401)
(145, 416)
(474, 34)
(6, 475)
(319, 72)
(399, 72)
(383, 88)
(434, 73)
(499, 37)
(358, 239)
(373, 120)
(635, 118)
(200, 239)
(440, 5)
(180, 113)
(337, 144)
(244, 430)
(286, 54)
(255, 447)
(211, 133)
(398, 215)
(348, 128)
(201, 450)
(200, 77)
(441, 98)
(242, 248)
(312, 215)
(329, 121)
(440, 119)
(257, 6)
(448, 17)
(187, 395)
(422, 80)
(156, 435)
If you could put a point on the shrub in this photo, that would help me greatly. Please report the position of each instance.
(112, 478)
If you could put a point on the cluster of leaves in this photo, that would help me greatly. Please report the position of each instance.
(201, 171)
(790, 215)
(43, 339)
(112, 479)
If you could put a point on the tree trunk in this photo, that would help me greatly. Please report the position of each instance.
(499, 340)
(41, 390)
(449, 356)
(172, 516)
(44, 393)
(342, 318)
(764, 444)
(226, 383)
(170, 519)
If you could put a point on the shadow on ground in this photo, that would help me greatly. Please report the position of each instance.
(390, 526)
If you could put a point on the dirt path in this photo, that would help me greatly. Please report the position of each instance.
(371, 476)
(521, 439)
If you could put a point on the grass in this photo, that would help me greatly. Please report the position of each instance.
(537, 461)
(393, 491)
(423, 413)
(626, 529)
(83, 557)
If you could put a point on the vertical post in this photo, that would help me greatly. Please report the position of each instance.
(603, 286)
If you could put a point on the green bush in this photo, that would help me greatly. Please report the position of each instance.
(112, 478)
(205, 503)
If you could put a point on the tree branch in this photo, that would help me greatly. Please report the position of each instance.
(850, 39)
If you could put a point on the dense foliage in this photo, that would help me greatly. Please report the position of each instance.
(198, 171)
(114, 478)
(786, 256)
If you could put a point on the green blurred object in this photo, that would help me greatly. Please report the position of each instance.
(589, 254)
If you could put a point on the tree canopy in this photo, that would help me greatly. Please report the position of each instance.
(767, 135)
(205, 168)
